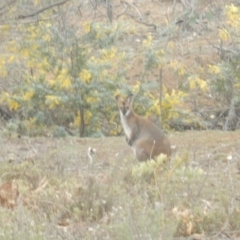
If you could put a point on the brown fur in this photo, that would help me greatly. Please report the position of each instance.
(146, 139)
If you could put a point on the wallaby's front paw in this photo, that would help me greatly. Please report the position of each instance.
(129, 141)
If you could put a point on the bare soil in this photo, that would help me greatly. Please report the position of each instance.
(219, 147)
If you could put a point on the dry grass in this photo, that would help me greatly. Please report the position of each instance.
(61, 196)
(48, 189)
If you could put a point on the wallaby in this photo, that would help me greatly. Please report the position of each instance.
(146, 139)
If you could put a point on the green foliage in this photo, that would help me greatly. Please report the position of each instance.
(68, 74)
(74, 83)
(72, 79)
(225, 80)
(224, 76)
(148, 169)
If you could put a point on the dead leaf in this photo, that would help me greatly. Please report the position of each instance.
(9, 194)
(198, 236)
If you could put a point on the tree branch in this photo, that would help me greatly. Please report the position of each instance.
(141, 22)
(4, 6)
(42, 9)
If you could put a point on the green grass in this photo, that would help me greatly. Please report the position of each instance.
(62, 197)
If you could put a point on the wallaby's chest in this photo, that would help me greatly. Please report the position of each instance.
(126, 126)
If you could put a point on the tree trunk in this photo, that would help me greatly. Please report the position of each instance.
(82, 123)
(160, 94)
(232, 119)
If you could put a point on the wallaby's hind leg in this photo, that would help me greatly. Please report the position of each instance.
(140, 152)
(146, 150)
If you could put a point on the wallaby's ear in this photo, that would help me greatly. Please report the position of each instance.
(117, 97)
(130, 98)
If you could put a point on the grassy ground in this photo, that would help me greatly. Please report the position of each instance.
(49, 191)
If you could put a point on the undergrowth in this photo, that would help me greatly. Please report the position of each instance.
(126, 200)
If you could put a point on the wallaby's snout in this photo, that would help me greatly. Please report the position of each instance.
(122, 105)
(124, 111)
(147, 139)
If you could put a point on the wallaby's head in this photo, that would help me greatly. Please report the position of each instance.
(124, 104)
